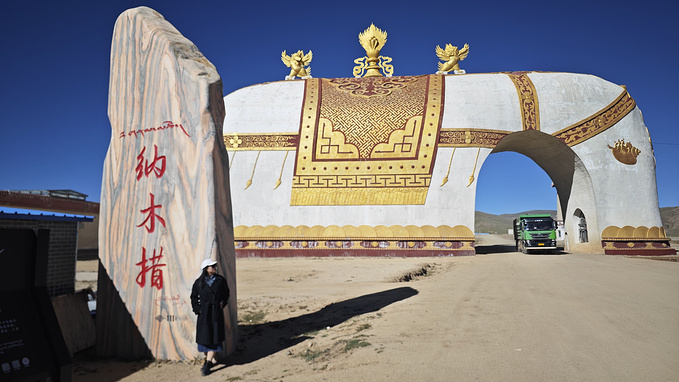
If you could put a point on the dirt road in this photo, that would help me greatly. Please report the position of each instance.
(491, 317)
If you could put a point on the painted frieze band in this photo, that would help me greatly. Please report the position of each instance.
(528, 100)
(409, 241)
(598, 122)
(470, 138)
(261, 141)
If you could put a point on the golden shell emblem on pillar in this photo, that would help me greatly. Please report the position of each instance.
(373, 40)
(625, 152)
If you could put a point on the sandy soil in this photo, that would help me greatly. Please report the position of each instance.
(500, 315)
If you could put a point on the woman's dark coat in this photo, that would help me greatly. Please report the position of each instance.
(205, 302)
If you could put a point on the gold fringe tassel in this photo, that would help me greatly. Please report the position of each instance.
(231, 160)
(278, 182)
(253, 171)
(471, 178)
(445, 179)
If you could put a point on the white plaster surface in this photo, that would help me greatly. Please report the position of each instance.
(468, 99)
(567, 98)
(273, 107)
(625, 194)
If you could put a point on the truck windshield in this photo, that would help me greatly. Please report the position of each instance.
(539, 225)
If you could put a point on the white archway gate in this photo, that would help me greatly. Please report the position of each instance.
(381, 166)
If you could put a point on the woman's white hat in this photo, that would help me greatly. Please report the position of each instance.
(206, 263)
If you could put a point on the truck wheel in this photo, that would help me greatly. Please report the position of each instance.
(524, 250)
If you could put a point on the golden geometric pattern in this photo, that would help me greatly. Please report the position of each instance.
(363, 232)
(402, 143)
(598, 122)
(341, 196)
(366, 121)
(528, 100)
(377, 141)
(363, 181)
(614, 233)
(370, 87)
(332, 143)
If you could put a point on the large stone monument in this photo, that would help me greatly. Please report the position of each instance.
(165, 203)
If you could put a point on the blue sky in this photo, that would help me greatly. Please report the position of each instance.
(54, 69)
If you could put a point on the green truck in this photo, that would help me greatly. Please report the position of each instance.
(535, 232)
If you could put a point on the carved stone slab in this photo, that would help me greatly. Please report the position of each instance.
(165, 202)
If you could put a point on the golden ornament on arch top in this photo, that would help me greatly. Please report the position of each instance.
(372, 40)
(451, 57)
(298, 63)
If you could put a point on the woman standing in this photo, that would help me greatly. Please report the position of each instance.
(209, 296)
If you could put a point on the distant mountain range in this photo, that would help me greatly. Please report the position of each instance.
(670, 220)
(489, 223)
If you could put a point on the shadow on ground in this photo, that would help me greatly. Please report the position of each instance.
(261, 340)
(509, 248)
(498, 248)
(88, 367)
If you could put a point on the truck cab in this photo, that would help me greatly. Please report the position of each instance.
(535, 232)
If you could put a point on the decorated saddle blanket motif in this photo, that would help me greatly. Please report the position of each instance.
(367, 141)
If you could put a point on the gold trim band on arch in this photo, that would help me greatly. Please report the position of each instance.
(471, 138)
(261, 141)
(528, 100)
(598, 122)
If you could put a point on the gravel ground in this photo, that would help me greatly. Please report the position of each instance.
(498, 316)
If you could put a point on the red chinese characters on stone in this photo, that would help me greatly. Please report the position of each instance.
(151, 216)
(157, 165)
(156, 271)
(147, 166)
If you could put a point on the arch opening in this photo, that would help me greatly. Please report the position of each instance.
(509, 184)
(570, 179)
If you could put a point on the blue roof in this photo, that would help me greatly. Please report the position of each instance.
(44, 217)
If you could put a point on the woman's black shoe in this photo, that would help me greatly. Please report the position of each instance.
(205, 369)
